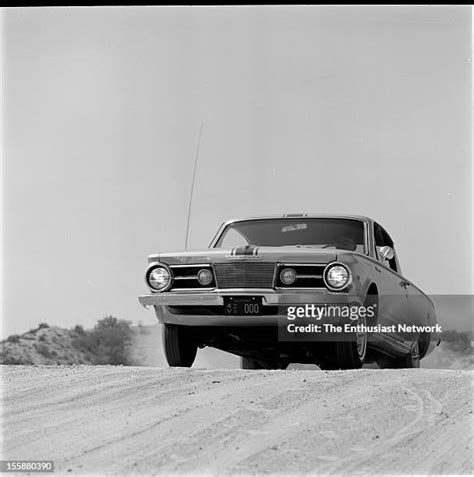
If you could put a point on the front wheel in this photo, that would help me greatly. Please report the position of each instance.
(179, 348)
(349, 353)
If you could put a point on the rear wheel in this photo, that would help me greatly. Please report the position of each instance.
(179, 348)
(410, 360)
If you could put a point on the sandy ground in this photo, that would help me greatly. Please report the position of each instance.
(121, 420)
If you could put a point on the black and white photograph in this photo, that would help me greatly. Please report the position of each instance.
(236, 240)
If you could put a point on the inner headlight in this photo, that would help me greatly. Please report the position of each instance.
(337, 276)
(204, 276)
(288, 276)
(159, 278)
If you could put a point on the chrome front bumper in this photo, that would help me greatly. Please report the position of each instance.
(278, 297)
(273, 297)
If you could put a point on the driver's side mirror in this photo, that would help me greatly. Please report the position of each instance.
(387, 252)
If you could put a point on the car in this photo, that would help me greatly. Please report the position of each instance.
(295, 288)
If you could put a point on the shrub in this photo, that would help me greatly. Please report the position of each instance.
(108, 343)
(14, 360)
(79, 330)
(457, 341)
(44, 350)
(13, 339)
(43, 325)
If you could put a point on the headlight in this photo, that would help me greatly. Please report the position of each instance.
(337, 276)
(159, 278)
(287, 276)
(205, 276)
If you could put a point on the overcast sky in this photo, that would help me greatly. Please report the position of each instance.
(361, 110)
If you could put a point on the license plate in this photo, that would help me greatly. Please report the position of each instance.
(243, 305)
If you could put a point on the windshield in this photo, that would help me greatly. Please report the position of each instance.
(346, 234)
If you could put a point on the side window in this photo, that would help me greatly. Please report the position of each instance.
(382, 239)
(379, 238)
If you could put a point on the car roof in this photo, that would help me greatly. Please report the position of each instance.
(304, 216)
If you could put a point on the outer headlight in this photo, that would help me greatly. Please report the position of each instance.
(337, 276)
(205, 276)
(287, 276)
(159, 278)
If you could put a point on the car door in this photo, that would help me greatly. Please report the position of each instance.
(393, 289)
(419, 305)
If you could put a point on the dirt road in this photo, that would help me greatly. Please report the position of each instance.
(152, 420)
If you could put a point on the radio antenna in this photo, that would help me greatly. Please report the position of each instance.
(192, 187)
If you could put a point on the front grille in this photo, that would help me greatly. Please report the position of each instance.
(244, 274)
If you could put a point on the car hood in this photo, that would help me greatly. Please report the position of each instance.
(248, 253)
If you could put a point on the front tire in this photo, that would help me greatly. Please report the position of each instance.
(179, 348)
(350, 353)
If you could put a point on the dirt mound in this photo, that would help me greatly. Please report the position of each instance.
(109, 342)
(121, 420)
(44, 345)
